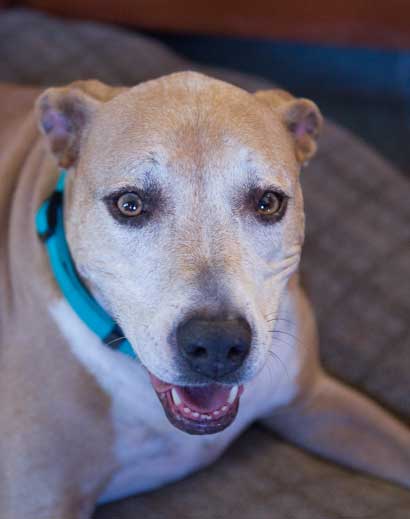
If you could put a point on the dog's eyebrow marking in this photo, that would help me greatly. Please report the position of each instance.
(255, 182)
(250, 159)
(148, 161)
(261, 174)
(135, 173)
(153, 158)
(147, 187)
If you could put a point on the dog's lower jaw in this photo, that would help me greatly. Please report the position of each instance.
(201, 426)
(199, 410)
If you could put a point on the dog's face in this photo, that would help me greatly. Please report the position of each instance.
(184, 216)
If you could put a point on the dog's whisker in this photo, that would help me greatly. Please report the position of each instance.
(294, 337)
(288, 343)
(116, 340)
(271, 374)
(276, 356)
(280, 319)
(276, 317)
(282, 341)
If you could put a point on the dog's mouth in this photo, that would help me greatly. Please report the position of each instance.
(198, 410)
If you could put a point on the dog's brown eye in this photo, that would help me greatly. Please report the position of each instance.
(130, 204)
(269, 204)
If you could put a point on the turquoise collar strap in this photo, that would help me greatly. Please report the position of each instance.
(50, 228)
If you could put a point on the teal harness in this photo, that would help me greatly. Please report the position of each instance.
(50, 228)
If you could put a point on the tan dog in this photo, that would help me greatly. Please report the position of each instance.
(184, 216)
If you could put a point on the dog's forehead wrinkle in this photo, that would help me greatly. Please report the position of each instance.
(195, 101)
(202, 127)
(137, 162)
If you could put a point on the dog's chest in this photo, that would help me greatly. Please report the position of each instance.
(148, 449)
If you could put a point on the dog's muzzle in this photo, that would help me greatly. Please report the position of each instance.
(214, 349)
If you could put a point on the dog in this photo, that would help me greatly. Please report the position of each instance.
(183, 214)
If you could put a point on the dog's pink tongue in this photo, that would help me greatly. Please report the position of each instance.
(205, 398)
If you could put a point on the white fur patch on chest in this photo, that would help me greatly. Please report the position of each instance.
(149, 450)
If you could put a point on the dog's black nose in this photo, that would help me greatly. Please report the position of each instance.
(214, 348)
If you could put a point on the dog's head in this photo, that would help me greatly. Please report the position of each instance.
(184, 216)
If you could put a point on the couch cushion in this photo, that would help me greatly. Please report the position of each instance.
(356, 265)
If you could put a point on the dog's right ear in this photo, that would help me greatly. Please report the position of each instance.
(65, 113)
(301, 118)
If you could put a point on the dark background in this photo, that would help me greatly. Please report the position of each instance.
(364, 89)
(351, 56)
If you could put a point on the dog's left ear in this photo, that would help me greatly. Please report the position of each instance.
(301, 117)
(65, 113)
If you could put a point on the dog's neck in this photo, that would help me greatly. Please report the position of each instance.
(50, 228)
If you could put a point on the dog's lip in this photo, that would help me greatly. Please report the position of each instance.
(159, 385)
(198, 410)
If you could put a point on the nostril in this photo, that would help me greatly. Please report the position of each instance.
(199, 352)
(235, 353)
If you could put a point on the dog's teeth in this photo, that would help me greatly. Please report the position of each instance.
(175, 397)
(232, 395)
(204, 416)
(216, 413)
(187, 410)
(195, 414)
(224, 408)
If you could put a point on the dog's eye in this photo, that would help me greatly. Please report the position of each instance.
(271, 204)
(129, 204)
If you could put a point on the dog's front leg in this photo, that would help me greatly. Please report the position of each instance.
(339, 423)
(34, 499)
(69, 508)
(40, 481)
